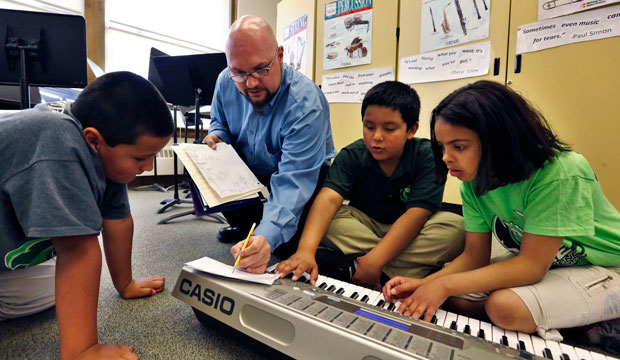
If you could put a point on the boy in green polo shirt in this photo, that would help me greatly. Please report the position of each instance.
(391, 221)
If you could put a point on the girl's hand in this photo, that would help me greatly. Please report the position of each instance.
(425, 300)
(400, 287)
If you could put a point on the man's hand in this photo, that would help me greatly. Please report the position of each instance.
(143, 287)
(299, 262)
(367, 274)
(255, 257)
(211, 140)
(100, 351)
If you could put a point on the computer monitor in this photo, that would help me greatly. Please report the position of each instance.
(42, 49)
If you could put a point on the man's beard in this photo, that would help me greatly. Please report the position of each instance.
(258, 106)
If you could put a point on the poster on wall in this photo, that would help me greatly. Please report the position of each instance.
(348, 33)
(295, 36)
(591, 25)
(554, 8)
(455, 63)
(453, 22)
(351, 86)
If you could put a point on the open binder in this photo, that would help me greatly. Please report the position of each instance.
(206, 174)
(201, 209)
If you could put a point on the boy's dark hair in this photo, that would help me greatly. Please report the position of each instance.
(123, 106)
(397, 96)
(515, 139)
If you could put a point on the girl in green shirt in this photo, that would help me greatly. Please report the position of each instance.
(541, 201)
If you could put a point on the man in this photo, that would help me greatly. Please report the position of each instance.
(278, 121)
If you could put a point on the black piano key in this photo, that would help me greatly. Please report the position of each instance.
(565, 356)
(340, 291)
(380, 303)
(434, 319)
(481, 334)
(467, 329)
(521, 345)
(453, 325)
(323, 285)
(354, 295)
(365, 298)
(504, 340)
(547, 354)
(331, 288)
(391, 306)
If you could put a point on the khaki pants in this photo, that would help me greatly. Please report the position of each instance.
(441, 239)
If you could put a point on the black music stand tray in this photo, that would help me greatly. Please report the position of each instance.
(187, 80)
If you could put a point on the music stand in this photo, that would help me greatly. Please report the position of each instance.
(154, 78)
(187, 80)
(42, 49)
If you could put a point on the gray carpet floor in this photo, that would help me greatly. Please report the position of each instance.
(158, 327)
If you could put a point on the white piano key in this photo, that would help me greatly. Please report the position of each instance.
(597, 356)
(527, 340)
(539, 345)
(582, 354)
(461, 321)
(366, 292)
(474, 326)
(379, 299)
(441, 316)
(569, 350)
(321, 279)
(554, 346)
(513, 339)
(450, 317)
(348, 289)
(488, 330)
(498, 332)
(374, 297)
(396, 305)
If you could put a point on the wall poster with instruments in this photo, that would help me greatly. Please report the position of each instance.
(295, 36)
(453, 22)
(553, 8)
(348, 33)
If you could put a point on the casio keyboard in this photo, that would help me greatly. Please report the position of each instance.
(352, 322)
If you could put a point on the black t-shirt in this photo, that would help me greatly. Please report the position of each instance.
(357, 177)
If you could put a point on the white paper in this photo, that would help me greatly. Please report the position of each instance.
(591, 25)
(553, 8)
(453, 22)
(208, 265)
(351, 86)
(223, 169)
(454, 63)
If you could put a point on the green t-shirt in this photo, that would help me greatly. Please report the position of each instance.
(357, 177)
(563, 198)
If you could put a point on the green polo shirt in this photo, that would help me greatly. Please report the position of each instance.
(357, 177)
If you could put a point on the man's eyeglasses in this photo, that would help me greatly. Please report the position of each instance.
(256, 74)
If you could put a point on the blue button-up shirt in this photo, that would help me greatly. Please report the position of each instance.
(290, 139)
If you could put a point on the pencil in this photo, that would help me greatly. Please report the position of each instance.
(244, 245)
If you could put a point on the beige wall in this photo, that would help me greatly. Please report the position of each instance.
(267, 9)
